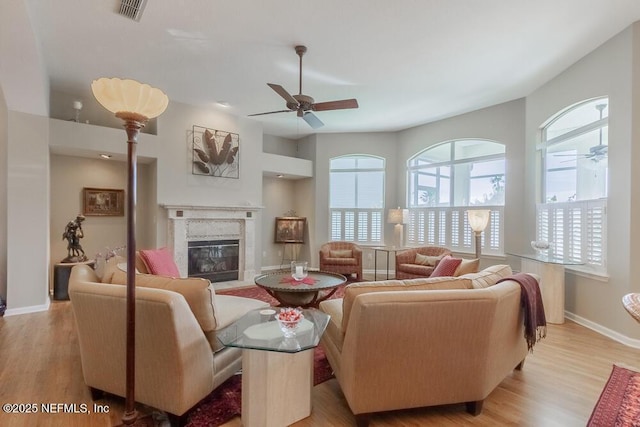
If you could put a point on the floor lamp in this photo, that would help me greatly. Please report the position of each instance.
(399, 217)
(478, 220)
(135, 103)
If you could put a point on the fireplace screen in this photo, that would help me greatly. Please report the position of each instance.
(216, 260)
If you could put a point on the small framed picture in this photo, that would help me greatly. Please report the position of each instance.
(102, 202)
(290, 229)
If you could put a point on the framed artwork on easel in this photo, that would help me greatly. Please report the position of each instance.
(290, 229)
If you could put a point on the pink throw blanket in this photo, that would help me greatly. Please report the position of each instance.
(535, 323)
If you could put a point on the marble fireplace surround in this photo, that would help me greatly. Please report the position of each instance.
(196, 223)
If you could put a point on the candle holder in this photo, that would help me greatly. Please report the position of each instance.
(299, 270)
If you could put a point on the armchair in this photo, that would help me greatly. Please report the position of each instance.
(342, 258)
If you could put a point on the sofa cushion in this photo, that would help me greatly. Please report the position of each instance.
(446, 267)
(228, 309)
(489, 276)
(342, 253)
(110, 267)
(341, 261)
(160, 262)
(333, 307)
(420, 284)
(429, 261)
(198, 293)
(467, 266)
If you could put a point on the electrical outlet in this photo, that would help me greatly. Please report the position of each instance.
(264, 254)
(370, 256)
(279, 253)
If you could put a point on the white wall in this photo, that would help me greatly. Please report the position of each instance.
(4, 142)
(279, 197)
(611, 70)
(69, 175)
(27, 212)
(24, 137)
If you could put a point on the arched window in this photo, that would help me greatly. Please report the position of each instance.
(575, 170)
(445, 179)
(356, 198)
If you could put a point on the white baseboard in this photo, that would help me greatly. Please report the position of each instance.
(602, 330)
(26, 310)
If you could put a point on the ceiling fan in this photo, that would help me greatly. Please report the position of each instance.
(304, 105)
(597, 152)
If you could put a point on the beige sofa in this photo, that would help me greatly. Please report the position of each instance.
(424, 342)
(178, 361)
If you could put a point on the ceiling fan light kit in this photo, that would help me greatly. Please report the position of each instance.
(304, 105)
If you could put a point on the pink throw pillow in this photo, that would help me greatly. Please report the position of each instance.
(160, 262)
(446, 267)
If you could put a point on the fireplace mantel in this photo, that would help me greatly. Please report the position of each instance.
(188, 223)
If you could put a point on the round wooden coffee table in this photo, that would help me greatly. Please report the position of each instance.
(315, 288)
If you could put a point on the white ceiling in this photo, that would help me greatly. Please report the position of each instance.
(407, 62)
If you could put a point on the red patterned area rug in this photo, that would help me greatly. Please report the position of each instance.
(225, 402)
(619, 403)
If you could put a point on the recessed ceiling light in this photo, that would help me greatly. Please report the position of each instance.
(280, 176)
(223, 104)
(105, 156)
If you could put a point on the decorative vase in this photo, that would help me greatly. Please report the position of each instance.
(299, 270)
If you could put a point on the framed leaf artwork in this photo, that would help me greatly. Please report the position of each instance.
(215, 153)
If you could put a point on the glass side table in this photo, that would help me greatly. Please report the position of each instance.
(384, 249)
(277, 372)
(550, 268)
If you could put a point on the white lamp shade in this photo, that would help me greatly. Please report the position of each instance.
(398, 216)
(478, 219)
(130, 96)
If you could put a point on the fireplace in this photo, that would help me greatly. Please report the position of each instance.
(190, 226)
(216, 260)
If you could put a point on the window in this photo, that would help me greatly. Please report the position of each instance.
(575, 170)
(444, 180)
(356, 198)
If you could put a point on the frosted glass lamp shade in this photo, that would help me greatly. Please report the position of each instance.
(478, 219)
(398, 216)
(129, 98)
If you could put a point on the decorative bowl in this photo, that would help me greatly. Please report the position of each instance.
(540, 245)
(289, 319)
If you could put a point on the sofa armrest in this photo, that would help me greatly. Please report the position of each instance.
(405, 257)
(174, 362)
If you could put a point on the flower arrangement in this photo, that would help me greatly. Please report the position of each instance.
(289, 319)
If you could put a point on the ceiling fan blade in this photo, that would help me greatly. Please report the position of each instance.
(271, 112)
(283, 93)
(312, 120)
(335, 105)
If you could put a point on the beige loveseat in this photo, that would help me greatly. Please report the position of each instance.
(178, 361)
(424, 342)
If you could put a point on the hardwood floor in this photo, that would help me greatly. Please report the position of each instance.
(558, 386)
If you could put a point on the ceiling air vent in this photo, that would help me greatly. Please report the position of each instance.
(132, 9)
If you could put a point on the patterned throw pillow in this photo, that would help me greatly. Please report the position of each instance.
(427, 260)
(467, 266)
(160, 262)
(446, 267)
(344, 253)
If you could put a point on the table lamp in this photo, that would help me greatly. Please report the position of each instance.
(399, 217)
(478, 220)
